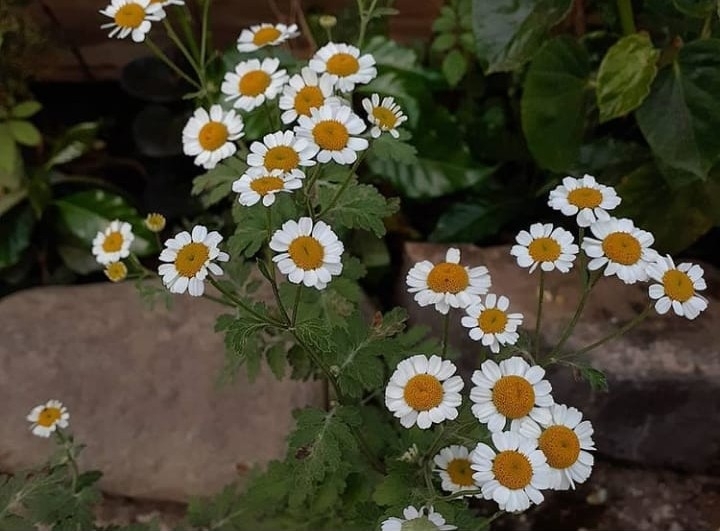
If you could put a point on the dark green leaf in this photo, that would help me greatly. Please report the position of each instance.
(444, 42)
(25, 109)
(360, 206)
(24, 132)
(553, 103)
(277, 360)
(241, 342)
(216, 184)
(9, 156)
(595, 378)
(447, 21)
(15, 230)
(387, 148)
(74, 143)
(471, 222)
(10, 199)
(696, 8)
(626, 73)
(39, 193)
(509, 32)
(315, 334)
(87, 479)
(390, 53)
(454, 67)
(680, 118)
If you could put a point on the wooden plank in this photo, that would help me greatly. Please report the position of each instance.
(78, 24)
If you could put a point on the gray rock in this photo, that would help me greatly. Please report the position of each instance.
(141, 389)
(664, 375)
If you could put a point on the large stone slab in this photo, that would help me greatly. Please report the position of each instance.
(664, 376)
(141, 389)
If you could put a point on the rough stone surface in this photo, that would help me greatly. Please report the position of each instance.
(664, 375)
(141, 387)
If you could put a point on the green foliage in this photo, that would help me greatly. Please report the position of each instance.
(358, 206)
(216, 184)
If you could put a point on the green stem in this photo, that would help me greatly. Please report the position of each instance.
(342, 189)
(185, 23)
(309, 191)
(627, 19)
(365, 16)
(242, 304)
(296, 305)
(578, 312)
(582, 264)
(271, 269)
(68, 447)
(435, 446)
(539, 313)
(460, 494)
(446, 333)
(165, 59)
(706, 31)
(144, 271)
(617, 333)
(204, 35)
(183, 49)
(218, 300)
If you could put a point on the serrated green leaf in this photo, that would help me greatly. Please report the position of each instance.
(686, 92)
(216, 184)
(25, 109)
(393, 490)
(276, 357)
(454, 67)
(386, 148)
(24, 132)
(359, 206)
(508, 33)
(596, 378)
(353, 268)
(625, 75)
(241, 342)
(315, 334)
(553, 103)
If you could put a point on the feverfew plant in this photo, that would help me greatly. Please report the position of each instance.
(405, 443)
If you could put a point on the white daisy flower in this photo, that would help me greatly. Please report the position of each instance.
(305, 91)
(48, 418)
(283, 151)
(265, 34)
(260, 184)
(491, 323)
(253, 82)
(385, 116)
(551, 248)
(511, 391)
(565, 441)
(331, 129)
(132, 17)
(345, 64)
(415, 519)
(424, 391)
(209, 137)
(113, 244)
(309, 252)
(447, 284)
(453, 464)
(190, 257)
(621, 246)
(514, 475)
(168, 2)
(678, 287)
(584, 197)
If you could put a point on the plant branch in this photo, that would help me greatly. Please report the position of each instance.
(578, 312)
(627, 19)
(169, 62)
(342, 189)
(617, 333)
(446, 334)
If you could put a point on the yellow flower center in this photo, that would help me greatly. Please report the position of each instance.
(306, 252)
(585, 197)
(622, 248)
(492, 321)
(130, 16)
(191, 258)
(544, 250)
(265, 36)
(113, 242)
(678, 285)
(423, 392)
(116, 271)
(212, 136)
(385, 117)
(281, 158)
(512, 469)
(155, 222)
(308, 98)
(560, 445)
(342, 65)
(448, 278)
(265, 185)
(513, 396)
(254, 83)
(331, 135)
(49, 416)
(460, 472)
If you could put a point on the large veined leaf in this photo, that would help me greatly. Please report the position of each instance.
(681, 118)
(509, 32)
(84, 214)
(554, 101)
(626, 73)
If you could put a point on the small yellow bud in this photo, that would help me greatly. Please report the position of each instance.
(327, 21)
(116, 271)
(155, 222)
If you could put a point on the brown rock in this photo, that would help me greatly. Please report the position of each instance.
(141, 389)
(664, 375)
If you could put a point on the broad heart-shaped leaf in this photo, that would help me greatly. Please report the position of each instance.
(626, 73)
(681, 118)
(553, 103)
(676, 217)
(509, 32)
(15, 230)
(82, 215)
